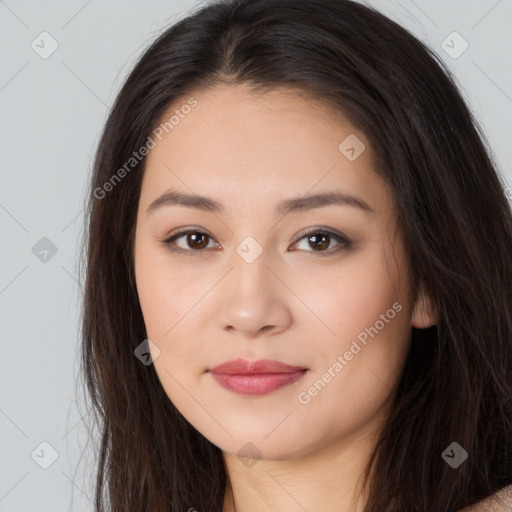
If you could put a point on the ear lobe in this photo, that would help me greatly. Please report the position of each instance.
(424, 314)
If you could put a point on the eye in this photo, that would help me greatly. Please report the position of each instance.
(194, 238)
(320, 239)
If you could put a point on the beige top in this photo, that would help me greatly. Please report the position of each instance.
(501, 501)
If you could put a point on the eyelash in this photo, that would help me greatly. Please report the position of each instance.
(344, 242)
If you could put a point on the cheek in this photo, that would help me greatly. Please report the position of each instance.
(350, 296)
(165, 296)
(367, 313)
(170, 304)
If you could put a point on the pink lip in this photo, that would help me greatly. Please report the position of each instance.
(255, 377)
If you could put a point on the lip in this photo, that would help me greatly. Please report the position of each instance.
(255, 377)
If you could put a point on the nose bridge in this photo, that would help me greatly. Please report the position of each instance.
(250, 260)
(252, 299)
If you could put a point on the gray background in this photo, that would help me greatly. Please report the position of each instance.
(52, 112)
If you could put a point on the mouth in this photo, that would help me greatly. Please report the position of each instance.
(255, 377)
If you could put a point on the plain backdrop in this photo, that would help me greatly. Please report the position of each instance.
(62, 63)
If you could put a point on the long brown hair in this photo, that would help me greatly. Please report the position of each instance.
(453, 213)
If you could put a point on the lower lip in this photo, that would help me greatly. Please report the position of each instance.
(257, 384)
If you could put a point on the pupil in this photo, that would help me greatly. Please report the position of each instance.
(195, 237)
(321, 244)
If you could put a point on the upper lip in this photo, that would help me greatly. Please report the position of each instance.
(245, 367)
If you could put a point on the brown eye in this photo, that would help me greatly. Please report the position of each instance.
(195, 241)
(320, 240)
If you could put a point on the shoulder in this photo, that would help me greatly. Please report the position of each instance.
(501, 501)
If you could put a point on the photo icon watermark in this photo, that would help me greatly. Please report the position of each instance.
(454, 455)
(44, 455)
(249, 454)
(147, 352)
(44, 45)
(44, 250)
(351, 147)
(454, 45)
(249, 250)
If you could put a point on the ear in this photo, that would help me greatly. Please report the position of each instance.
(423, 314)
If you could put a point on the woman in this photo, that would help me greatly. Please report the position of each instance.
(298, 279)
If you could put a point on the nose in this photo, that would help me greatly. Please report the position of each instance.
(253, 299)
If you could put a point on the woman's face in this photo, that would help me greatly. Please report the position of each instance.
(272, 272)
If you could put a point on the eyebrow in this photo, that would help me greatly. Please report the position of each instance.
(296, 204)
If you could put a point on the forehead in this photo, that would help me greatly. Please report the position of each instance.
(237, 144)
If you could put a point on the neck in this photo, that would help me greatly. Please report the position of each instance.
(327, 479)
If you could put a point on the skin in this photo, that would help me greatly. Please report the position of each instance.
(250, 151)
